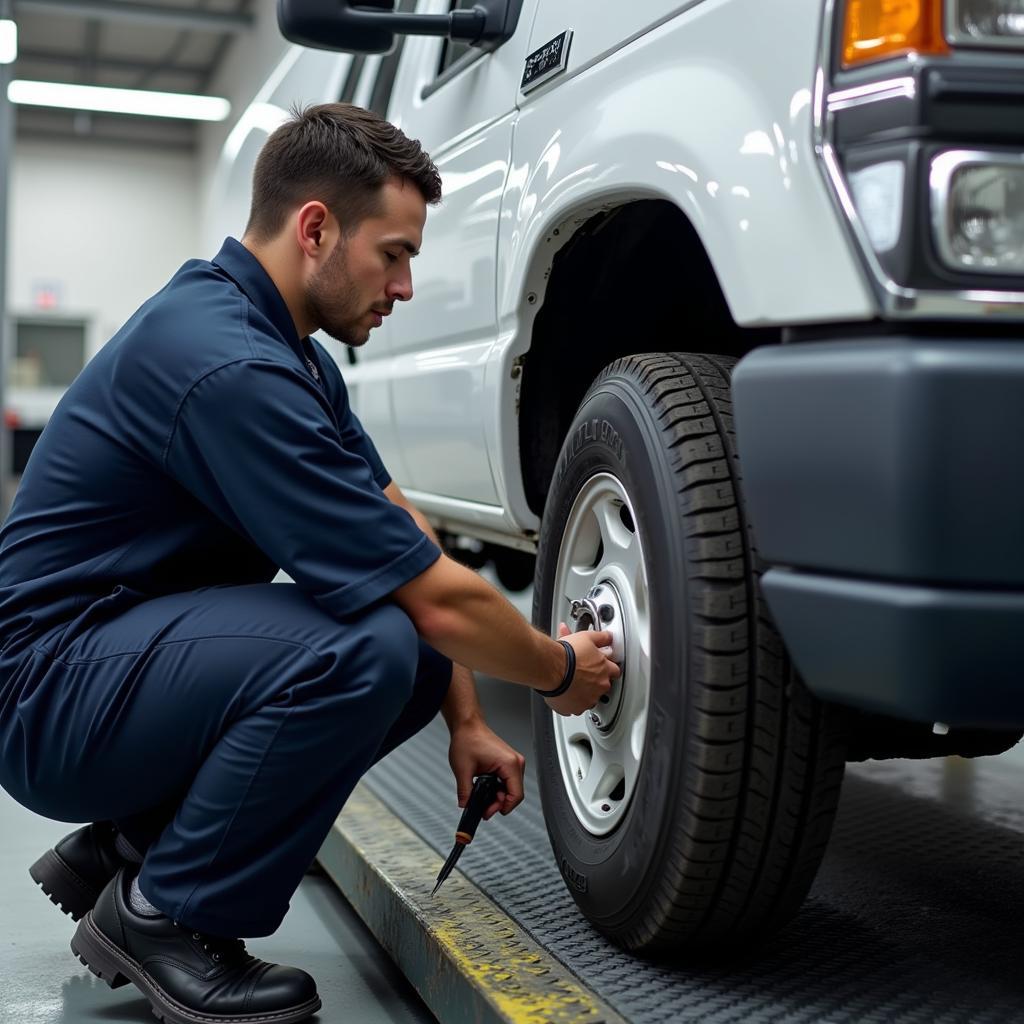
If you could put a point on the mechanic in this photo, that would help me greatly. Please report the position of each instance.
(153, 680)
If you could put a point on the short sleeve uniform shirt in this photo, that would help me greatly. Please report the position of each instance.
(205, 444)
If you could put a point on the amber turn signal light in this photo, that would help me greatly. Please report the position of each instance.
(875, 29)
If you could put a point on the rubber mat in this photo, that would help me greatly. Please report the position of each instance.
(917, 914)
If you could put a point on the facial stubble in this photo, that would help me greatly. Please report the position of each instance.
(333, 300)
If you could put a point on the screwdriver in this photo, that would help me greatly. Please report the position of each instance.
(485, 789)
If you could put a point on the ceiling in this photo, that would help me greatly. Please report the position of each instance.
(165, 45)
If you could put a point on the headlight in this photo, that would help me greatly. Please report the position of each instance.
(987, 22)
(978, 211)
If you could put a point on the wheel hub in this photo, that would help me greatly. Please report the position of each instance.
(602, 609)
(601, 556)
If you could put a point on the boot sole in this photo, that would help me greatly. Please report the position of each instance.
(116, 968)
(65, 889)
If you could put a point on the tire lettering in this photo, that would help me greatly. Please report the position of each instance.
(610, 436)
(587, 433)
(575, 878)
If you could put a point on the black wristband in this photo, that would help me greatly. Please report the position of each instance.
(570, 671)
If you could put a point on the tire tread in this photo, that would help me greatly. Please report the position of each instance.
(765, 763)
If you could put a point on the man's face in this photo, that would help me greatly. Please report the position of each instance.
(368, 272)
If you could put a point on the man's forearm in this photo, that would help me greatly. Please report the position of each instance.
(461, 705)
(470, 621)
(473, 624)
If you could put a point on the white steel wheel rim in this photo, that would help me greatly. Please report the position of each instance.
(600, 765)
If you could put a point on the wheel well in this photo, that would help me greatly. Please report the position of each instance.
(632, 279)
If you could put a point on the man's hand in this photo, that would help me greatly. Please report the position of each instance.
(474, 750)
(594, 671)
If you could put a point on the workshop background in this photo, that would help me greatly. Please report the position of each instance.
(103, 207)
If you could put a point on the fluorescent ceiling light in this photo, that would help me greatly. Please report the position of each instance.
(8, 41)
(118, 101)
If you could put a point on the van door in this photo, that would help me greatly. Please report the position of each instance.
(595, 38)
(368, 84)
(460, 103)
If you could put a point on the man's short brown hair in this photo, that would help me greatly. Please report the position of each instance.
(340, 155)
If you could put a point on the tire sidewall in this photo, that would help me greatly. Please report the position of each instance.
(615, 431)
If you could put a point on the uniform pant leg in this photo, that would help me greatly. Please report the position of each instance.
(433, 677)
(251, 701)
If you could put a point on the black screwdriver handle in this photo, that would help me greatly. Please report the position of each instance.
(485, 789)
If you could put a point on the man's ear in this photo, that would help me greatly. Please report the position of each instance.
(313, 229)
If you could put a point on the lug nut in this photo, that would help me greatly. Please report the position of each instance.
(605, 807)
(607, 613)
(595, 719)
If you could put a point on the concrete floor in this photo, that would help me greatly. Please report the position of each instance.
(41, 982)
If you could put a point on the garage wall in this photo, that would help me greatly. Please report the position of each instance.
(170, 206)
(263, 75)
(224, 203)
(107, 226)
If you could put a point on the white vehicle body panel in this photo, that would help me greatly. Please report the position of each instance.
(712, 110)
(368, 383)
(704, 103)
(439, 345)
(662, 108)
(724, 132)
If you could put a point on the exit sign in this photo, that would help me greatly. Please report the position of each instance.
(47, 295)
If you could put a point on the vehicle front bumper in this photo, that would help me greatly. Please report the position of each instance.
(884, 480)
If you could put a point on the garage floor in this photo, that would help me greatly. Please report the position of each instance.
(41, 982)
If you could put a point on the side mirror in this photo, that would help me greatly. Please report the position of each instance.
(370, 26)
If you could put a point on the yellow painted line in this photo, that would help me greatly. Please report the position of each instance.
(469, 961)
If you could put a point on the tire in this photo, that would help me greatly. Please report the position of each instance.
(709, 828)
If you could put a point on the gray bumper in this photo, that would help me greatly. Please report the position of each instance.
(885, 484)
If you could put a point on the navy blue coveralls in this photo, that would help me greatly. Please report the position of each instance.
(150, 672)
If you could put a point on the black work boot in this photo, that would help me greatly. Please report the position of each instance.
(188, 977)
(75, 871)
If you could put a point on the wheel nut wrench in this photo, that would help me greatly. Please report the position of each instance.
(585, 613)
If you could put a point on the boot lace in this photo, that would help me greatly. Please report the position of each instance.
(222, 950)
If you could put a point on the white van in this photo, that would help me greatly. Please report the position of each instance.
(637, 196)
